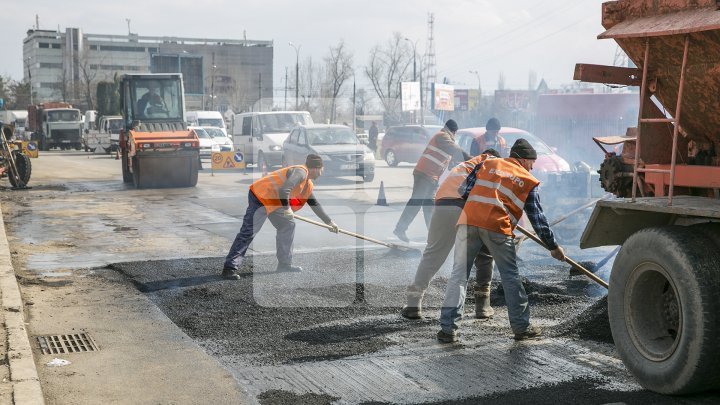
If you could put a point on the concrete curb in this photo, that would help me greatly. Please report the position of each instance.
(23, 373)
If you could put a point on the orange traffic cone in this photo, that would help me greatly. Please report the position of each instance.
(381, 196)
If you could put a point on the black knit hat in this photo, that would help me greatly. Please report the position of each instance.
(451, 125)
(313, 161)
(523, 150)
(493, 124)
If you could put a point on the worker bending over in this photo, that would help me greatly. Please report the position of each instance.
(502, 189)
(274, 197)
(441, 238)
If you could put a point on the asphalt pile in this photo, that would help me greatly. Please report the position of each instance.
(538, 294)
(591, 324)
(279, 397)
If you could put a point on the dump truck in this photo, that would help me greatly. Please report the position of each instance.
(156, 147)
(55, 125)
(664, 288)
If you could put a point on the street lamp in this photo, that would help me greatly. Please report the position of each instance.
(297, 72)
(414, 46)
(477, 74)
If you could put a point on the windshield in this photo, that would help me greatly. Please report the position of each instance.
(64, 116)
(540, 147)
(115, 125)
(211, 122)
(215, 132)
(284, 122)
(331, 136)
(158, 99)
(201, 133)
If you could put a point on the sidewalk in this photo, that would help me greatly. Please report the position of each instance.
(23, 377)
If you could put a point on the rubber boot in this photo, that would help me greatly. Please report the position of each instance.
(483, 310)
(413, 308)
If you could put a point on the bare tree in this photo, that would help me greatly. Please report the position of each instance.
(387, 67)
(88, 75)
(338, 65)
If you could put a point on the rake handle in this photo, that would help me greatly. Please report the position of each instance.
(568, 260)
(357, 235)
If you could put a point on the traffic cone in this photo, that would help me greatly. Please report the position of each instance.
(381, 196)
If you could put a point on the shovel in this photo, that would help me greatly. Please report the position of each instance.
(357, 235)
(568, 260)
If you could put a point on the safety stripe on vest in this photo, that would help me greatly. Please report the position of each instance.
(434, 160)
(495, 202)
(440, 151)
(503, 190)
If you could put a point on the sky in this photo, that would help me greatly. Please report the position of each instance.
(508, 37)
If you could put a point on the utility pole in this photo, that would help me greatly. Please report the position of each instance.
(286, 70)
(260, 91)
(212, 84)
(297, 72)
(128, 23)
(414, 46)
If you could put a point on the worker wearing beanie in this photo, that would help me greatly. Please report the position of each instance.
(490, 139)
(436, 157)
(275, 197)
(503, 189)
(441, 238)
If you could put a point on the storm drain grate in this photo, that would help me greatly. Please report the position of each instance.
(60, 344)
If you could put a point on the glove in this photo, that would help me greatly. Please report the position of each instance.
(287, 213)
(558, 254)
(334, 228)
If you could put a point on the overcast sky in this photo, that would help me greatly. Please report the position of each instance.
(509, 36)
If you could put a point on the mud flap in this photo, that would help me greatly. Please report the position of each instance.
(167, 169)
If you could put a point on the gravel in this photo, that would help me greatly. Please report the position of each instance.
(591, 324)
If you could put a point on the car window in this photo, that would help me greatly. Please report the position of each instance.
(302, 139)
(214, 132)
(247, 126)
(331, 136)
(201, 133)
(293, 138)
(210, 122)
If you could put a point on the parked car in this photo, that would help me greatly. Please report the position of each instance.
(547, 162)
(206, 142)
(406, 143)
(222, 141)
(342, 153)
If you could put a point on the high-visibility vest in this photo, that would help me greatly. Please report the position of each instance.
(449, 187)
(500, 146)
(267, 189)
(496, 201)
(434, 160)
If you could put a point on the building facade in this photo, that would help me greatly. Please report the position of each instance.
(219, 74)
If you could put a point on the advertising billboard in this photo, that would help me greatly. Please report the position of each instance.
(410, 95)
(443, 97)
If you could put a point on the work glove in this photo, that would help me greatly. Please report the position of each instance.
(334, 226)
(287, 213)
(558, 254)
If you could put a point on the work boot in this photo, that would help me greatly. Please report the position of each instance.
(411, 312)
(483, 309)
(444, 337)
(530, 333)
(229, 274)
(288, 267)
(401, 235)
(413, 307)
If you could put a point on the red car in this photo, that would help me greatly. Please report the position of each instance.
(406, 143)
(547, 162)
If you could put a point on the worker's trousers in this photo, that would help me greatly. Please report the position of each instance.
(423, 194)
(252, 223)
(468, 242)
(440, 241)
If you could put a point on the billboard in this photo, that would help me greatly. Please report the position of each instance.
(461, 100)
(442, 97)
(410, 95)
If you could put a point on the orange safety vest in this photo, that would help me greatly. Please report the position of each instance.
(449, 187)
(497, 200)
(500, 144)
(434, 160)
(267, 189)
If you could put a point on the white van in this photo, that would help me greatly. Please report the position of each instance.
(260, 135)
(206, 119)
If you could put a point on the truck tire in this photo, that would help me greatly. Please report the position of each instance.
(24, 168)
(127, 176)
(192, 181)
(664, 309)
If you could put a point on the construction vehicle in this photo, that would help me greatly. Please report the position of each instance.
(55, 125)
(106, 136)
(14, 164)
(664, 294)
(156, 147)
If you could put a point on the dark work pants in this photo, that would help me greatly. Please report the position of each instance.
(252, 223)
(423, 195)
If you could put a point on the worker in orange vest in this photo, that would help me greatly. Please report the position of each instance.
(441, 238)
(490, 139)
(502, 190)
(275, 197)
(436, 157)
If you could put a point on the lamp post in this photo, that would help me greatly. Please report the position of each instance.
(297, 72)
(414, 46)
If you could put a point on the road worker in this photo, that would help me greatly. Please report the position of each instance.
(436, 157)
(441, 238)
(503, 189)
(275, 197)
(490, 139)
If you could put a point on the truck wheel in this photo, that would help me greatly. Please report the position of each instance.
(664, 309)
(24, 168)
(192, 182)
(127, 176)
